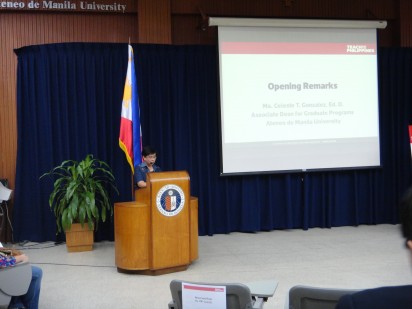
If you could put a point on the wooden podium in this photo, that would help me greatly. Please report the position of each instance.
(158, 232)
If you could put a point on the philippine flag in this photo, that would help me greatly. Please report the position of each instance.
(130, 137)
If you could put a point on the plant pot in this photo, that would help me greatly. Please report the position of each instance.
(79, 239)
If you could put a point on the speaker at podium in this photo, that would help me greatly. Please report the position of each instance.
(157, 233)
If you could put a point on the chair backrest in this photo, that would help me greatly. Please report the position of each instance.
(237, 295)
(14, 281)
(307, 297)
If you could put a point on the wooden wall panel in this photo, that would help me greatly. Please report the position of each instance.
(154, 21)
(191, 29)
(405, 11)
(356, 9)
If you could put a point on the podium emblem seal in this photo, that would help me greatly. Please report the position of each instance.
(170, 200)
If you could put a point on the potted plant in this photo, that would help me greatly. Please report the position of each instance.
(80, 195)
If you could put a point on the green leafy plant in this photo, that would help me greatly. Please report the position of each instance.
(80, 192)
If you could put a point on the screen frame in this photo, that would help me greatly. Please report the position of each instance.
(299, 23)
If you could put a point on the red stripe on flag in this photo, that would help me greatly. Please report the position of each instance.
(126, 139)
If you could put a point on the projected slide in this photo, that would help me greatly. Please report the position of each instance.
(298, 99)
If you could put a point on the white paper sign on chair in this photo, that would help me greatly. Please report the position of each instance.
(196, 296)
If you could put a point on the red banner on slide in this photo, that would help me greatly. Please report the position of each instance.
(297, 48)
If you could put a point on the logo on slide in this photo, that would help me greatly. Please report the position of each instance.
(170, 200)
(360, 49)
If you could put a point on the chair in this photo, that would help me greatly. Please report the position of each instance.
(306, 297)
(14, 281)
(238, 296)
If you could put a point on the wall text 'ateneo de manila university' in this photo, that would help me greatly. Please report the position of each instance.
(64, 5)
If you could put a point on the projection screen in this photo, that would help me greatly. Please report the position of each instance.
(297, 95)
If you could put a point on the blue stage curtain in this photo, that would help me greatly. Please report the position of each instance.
(68, 105)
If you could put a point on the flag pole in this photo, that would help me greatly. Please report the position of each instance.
(131, 174)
